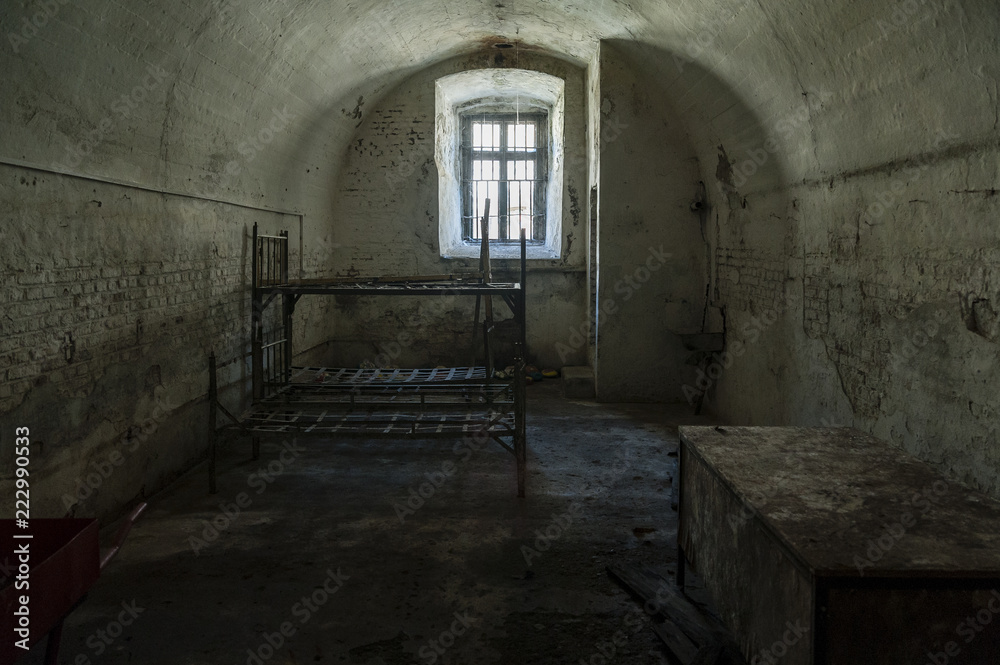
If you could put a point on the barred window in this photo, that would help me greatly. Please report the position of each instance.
(504, 159)
(499, 134)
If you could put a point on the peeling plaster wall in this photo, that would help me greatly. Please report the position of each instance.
(593, 99)
(386, 207)
(129, 157)
(651, 251)
(112, 299)
(855, 249)
(804, 120)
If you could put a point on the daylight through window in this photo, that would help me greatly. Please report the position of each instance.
(504, 160)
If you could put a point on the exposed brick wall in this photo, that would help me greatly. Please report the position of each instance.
(386, 212)
(750, 281)
(893, 321)
(111, 299)
(62, 325)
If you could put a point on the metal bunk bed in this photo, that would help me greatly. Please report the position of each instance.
(335, 402)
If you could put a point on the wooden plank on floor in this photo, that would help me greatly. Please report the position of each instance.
(714, 645)
(680, 647)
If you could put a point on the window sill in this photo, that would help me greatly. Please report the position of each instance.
(500, 251)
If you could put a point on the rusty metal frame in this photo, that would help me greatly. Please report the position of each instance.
(413, 403)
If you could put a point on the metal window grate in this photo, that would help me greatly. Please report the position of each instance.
(504, 160)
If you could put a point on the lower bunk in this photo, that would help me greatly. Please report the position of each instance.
(370, 403)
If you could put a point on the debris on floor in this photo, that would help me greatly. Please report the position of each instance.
(691, 635)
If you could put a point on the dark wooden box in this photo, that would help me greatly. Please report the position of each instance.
(827, 546)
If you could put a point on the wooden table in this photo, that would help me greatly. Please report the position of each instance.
(827, 546)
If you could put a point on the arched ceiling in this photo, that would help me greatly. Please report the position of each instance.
(174, 92)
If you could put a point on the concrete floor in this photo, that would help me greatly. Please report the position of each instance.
(448, 583)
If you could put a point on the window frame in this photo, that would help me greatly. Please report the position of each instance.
(540, 157)
(498, 90)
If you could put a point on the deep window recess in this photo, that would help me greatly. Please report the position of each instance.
(504, 159)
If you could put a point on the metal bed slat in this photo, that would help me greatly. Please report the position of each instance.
(387, 377)
(319, 421)
(451, 400)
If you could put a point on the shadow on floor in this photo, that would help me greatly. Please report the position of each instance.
(383, 552)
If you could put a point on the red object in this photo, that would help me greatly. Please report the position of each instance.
(64, 562)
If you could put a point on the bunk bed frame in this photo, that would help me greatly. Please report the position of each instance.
(337, 402)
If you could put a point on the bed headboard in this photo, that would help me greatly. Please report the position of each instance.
(271, 320)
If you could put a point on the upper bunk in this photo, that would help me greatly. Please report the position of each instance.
(452, 284)
(271, 277)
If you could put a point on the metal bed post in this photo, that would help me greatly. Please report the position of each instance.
(520, 447)
(287, 307)
(274, 364)
(256, 332)
(522, 304)
(425, 401)
(484, 264)
(520, 390)
(213, 402)
(268, 335)
(256, 325)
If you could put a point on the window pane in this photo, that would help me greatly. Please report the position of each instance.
(521, 136)
(487, 189)
(483, 169)
(521, 170)
(520, 209)
(486, 135)
(501, 163)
